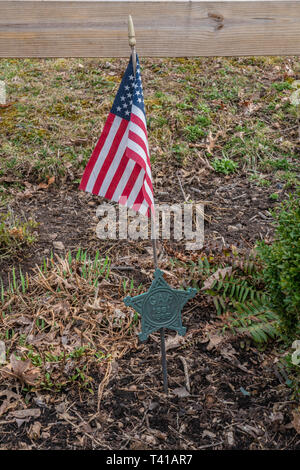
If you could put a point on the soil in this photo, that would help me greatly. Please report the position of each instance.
(237, 398)
(237, 212)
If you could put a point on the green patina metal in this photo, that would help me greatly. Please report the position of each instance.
(160, 307)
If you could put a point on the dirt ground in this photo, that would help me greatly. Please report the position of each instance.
(237, 398)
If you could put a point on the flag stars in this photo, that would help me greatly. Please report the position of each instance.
(130, 94)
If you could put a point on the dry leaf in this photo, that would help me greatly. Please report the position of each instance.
(219, 274)
(35, 430)
(149, 439)
(296, 420)
(209, 434)
(7, 404)
(28, 413)
(181, 392)
(173, 342)
(23, 370)
(210, 401)
(42, 186)
(230, 438)
(211, 141)
(214, 340)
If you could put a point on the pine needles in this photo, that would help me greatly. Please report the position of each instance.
(65, 323)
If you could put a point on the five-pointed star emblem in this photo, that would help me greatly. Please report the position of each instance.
(160, 306)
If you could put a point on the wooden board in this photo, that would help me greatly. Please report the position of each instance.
(163, 28)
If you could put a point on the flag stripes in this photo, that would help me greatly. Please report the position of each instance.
(119, 168)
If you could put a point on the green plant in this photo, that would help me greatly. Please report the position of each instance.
(280, 86)
(281, 265)
(194, 133)
(244, 305)
(277, 164)
(293, 381)
(224, 165)
(238, 296)
(15, 234)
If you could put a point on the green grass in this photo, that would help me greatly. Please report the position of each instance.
(57, 108)
(15, 234)
(224, 165)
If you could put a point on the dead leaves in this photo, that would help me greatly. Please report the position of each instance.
(249, 107)
(173, 342)
(11, 401)
(31, 189)
(214, 341)
(35, 431)
(296, 420)
(22, 370)
(50, 181)
(211, 141)
(181, 392)
(221, 273)
(27, 413)
(24, 416)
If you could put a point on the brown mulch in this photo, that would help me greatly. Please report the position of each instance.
(235, 401)
(223, 393)
(237, 212)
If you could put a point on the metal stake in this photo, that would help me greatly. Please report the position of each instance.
(164, 359)
(162, 330)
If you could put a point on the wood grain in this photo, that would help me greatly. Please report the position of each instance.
(163, 28)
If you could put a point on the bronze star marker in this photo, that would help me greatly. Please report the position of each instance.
(160, 307)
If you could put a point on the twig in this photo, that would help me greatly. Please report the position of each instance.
(103, 383)
(182, 190)
(85, 432)
(124, 268)
(210, 445)
(183, 438)
(186, 373)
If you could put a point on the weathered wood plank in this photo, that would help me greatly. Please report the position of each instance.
(98, 28)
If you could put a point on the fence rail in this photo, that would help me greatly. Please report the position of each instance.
(76, 28)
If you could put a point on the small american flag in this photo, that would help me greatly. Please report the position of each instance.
(119, 168)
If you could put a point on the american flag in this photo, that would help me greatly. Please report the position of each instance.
(119, 168)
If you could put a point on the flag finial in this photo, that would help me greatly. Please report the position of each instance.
(131, 33)
(132, 42)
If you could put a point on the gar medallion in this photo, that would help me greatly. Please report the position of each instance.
(160, 306)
